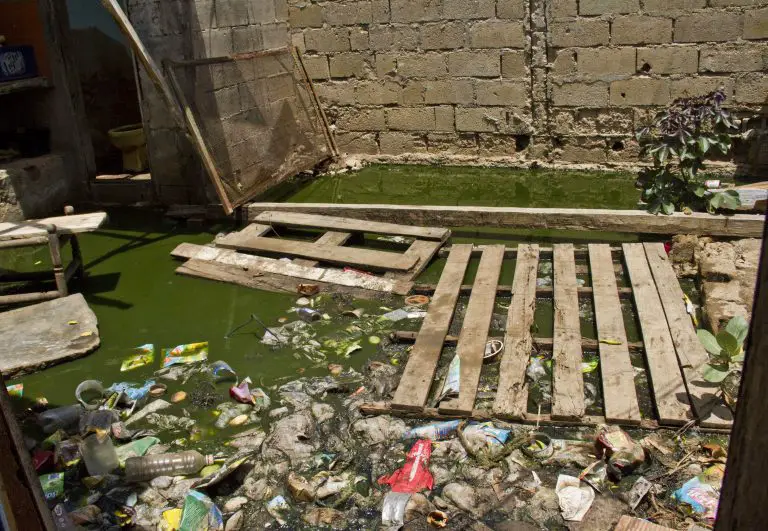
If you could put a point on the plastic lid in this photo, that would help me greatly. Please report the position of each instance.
(208, 459)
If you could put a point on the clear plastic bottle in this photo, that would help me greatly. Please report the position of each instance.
(99, 454)
(151, 466)
(59, 418)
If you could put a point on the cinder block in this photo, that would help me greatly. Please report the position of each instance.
(739, 58)
(559, 9)
(663, 7)
(729, 3)
(469, 9)
(232, 13)
(756, 24)
(415, 10)
(309, 16)
(592, 122)
(214, 43)
(752, 88)
(606, 63)
(503, 93)
(377, 92)
(701, 85)
(327, 40)
(474, 64)
(386, 64)
(449, 91)
(640, 29)
(497, 34)
(355, 119)
(339, 93)
(411, 119)
(580, 95)
(640, 91)
(297, 40)
(358, 39)
(582, 32)
(380, 11)
(444, 118)
(608, 7)
(412, 92)
(357, 143)
(445, 36)
(260, 12)
(480, 119)
(564, 64)
(495, 145)
(347, 13)
(401, 143)
(511, 9)
(396, 37)
(668, 60)
(452, 143)
(703, 27)
(350, 65)
(429, 65)
(583, 150)
(513, 65)
(281, 10)
(317, 66)
(245, 39)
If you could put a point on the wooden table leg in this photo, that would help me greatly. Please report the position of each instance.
(54, 246)
(77, 256)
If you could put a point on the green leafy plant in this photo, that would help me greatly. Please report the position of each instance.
(678, 141)
(726, 349)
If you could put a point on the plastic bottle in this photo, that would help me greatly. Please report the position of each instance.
(59, 418)
(99, 454)
(151, 466)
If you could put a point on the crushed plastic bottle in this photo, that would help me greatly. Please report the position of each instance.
(60, 418)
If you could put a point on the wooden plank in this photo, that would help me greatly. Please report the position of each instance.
(288, 269)
(544, 252)
(329, 238)
(618, 376)
(664, 374)
(293, 219)
(512, 393)
(36, 228)
(630, 221)
(419, 372)
(708, 407)
(333, 254)
(506, 289)
(423, 251)
(541, 343)
(474, 330)
(630, 523)
(567, 379)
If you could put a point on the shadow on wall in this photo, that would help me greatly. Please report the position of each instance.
(751, 157)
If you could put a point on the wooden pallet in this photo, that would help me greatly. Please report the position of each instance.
(232, 258)
(673, 355)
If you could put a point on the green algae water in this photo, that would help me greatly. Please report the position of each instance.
(137, 297)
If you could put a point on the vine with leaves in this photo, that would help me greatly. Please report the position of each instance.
(679, 140)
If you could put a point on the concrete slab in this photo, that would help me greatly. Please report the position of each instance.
(41, 335)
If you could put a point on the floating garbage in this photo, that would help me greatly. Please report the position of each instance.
(484, 439)
(178, 396)
(171, 520)
(152, 407)
(67, 453)
(404, 313)
(200, 514)
(436, 431)
(90, 394)
(357, 313)
(308, 290)
(99, 421)
(136, 448)
(276, 507)
(538, 446)
(393, 510)
(493, 348)
(416, 300)
(99, 454)
(143, 355)
(256, 397)
(452, 383)
(638, 491)
(53, 485)
(308, 315)
(15, 390)
(574, 499)
(60, 418)
(623, 454)
(134, 392)
(151, 466)
(595, 475)
(185, 354)
(414, 475)
(222, 371)
(227, 467)
(702, 492)
(437, 519)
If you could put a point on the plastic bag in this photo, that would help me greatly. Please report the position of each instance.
(133, 391)
(276, 507)
(200, 513)
(185, 354)
(435, 431)
(143, 355)
(484, 439)
(135, 448)
(393, 510)
(452, 383)
(624, 454)
(53, 485)
(574, 499)
(702, 493)
(15, 390)
(414, 475)
(222, 371)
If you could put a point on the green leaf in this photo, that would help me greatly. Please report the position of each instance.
(699, 191)
(709, 342)
(703, 143)
(729, 343)
(714, 375)
(738, 328)
(716, 201)
(668, 208)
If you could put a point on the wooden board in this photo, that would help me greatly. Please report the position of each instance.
(567, 379)
(40, 335)
(329, 238)
(540, 343)
(708, 407)
(630, 523)
(74, 224)
(295, 219)
(334, 254)
(474, 330)
(423, 251)
(281, 267)
(419, 372)
(632, 221)
(664, 373)
(618, 376)
(512, 393)
(506, 289)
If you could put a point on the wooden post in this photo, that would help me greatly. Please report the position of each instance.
(54, 246)
(744, 498)
(77, 255)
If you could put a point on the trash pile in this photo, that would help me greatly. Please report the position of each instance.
(301, 455)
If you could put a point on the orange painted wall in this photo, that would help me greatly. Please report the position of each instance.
(20, 23)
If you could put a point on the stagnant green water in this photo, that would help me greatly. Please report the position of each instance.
(137, 297)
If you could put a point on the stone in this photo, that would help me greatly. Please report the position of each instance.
(301, 490)
(291, 436)
(708, 26)
(162, 482)
(717, 261)
(180, 488)
(463, 496)
(641, 29)
(756, 24)
(297, 400)
(279, 412)
(256, 489)
(608, 7)
(418, 507)
(440, 474)
(152, 497)
(581, 32)
(380, 429)
(683, 248)
(235, 504)
(603, 515)
(640, 91)
(235, 522)
(668, 60)
(580, 94)
(324, 516)
(323, 412)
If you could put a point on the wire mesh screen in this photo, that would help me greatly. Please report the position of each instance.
(255, 120)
